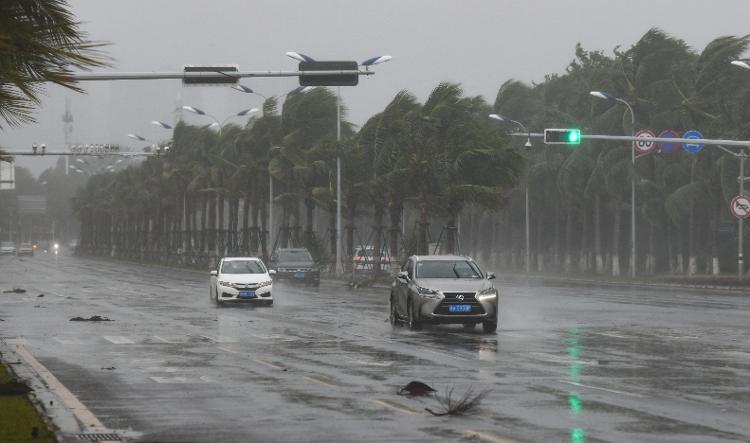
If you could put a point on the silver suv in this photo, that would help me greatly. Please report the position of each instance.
(443, 289)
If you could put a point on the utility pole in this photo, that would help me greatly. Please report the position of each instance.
(740, 262)
(68, 131)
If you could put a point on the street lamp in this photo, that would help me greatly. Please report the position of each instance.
(610, 97)
(367, 63)
(248, 90)
(218, 123)
(506, 119)
(743, 63)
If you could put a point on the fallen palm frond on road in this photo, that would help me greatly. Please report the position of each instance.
(450, 405)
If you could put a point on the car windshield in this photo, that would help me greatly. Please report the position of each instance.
(243, 267)
(448, 269)
(300, 255)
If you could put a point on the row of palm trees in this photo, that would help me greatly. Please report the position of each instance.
(443, 163)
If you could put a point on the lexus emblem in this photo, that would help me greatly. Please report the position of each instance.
(460, 297)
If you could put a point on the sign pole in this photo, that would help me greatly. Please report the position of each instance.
(740, 263)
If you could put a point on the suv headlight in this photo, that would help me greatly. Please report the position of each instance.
(486, 292)
(429, 293)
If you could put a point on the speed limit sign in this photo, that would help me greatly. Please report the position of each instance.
(740, 206)
(644, 146)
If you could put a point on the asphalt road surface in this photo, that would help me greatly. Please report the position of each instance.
(569, 362)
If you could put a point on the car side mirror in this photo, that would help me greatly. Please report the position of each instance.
(214, 273)
(491, 276)
(271, 272)
(403, 275)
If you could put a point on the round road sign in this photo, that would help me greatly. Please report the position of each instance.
(740, 206)
(665, 147)
(692, 148)
(644, 146)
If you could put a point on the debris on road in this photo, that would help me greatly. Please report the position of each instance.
(92, 318)
(416, 388)
(14, 388)
(111, 368)
(15, 291)
(466, 404)
(40, 295)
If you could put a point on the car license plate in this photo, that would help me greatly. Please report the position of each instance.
(299, 275)
(459, 308)
(247, 294)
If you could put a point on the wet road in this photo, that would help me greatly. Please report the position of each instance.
(569, 363)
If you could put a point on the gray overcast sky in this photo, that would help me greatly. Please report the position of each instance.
(479, 43)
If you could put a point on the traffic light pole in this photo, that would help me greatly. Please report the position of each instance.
(207, 75)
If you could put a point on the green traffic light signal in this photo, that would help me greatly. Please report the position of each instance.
(562, 136)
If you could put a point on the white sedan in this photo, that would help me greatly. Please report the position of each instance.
(241, 279)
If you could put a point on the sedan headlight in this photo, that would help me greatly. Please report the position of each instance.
(487, 291)
(225, 283)
(265, 283)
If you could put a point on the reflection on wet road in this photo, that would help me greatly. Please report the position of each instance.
(569, 363)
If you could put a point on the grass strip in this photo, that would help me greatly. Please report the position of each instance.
(19, 417)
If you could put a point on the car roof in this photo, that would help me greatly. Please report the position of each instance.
(240, 258)
(441, 257)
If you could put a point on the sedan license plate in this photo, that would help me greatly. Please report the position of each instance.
(247, 294)
(459, 308)
(299, 275)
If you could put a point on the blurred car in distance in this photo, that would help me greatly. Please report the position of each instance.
(295, 264)
(364, 259)
(26, 248)
(8, 248)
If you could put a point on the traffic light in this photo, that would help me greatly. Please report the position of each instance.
(562, 136)
(329, 80)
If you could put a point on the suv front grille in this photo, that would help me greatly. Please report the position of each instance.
(452, 298)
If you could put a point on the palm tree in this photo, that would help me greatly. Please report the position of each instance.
(40, 42)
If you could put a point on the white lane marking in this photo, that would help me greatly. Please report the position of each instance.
(613, 391)
(17, 341)
(229, 350)
(267, 363)
(322, 380)
(219, 339)
(169, 379)
(85, 417)
(488, 436)
(164, 340)
(614, 335)
(398, 406)
(169, 369)
(561, 359)
(370, 363)
(68, 341)
(118, 339)
(208, 379)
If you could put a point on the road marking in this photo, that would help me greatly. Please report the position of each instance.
(219, 339)
(83, 415)
(561, 359)
(370, 363)
(164, 340)
(614, 335)
(269, 364)
(68, 341)
(613, 391)
(488, 436)
(229, 350)
(322, 380)
(169, 379)
(398, 406)
(118, 339)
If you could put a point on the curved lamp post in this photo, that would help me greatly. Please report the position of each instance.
(367, 63)
(506, 119)
(216, 122)
(610, 97)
